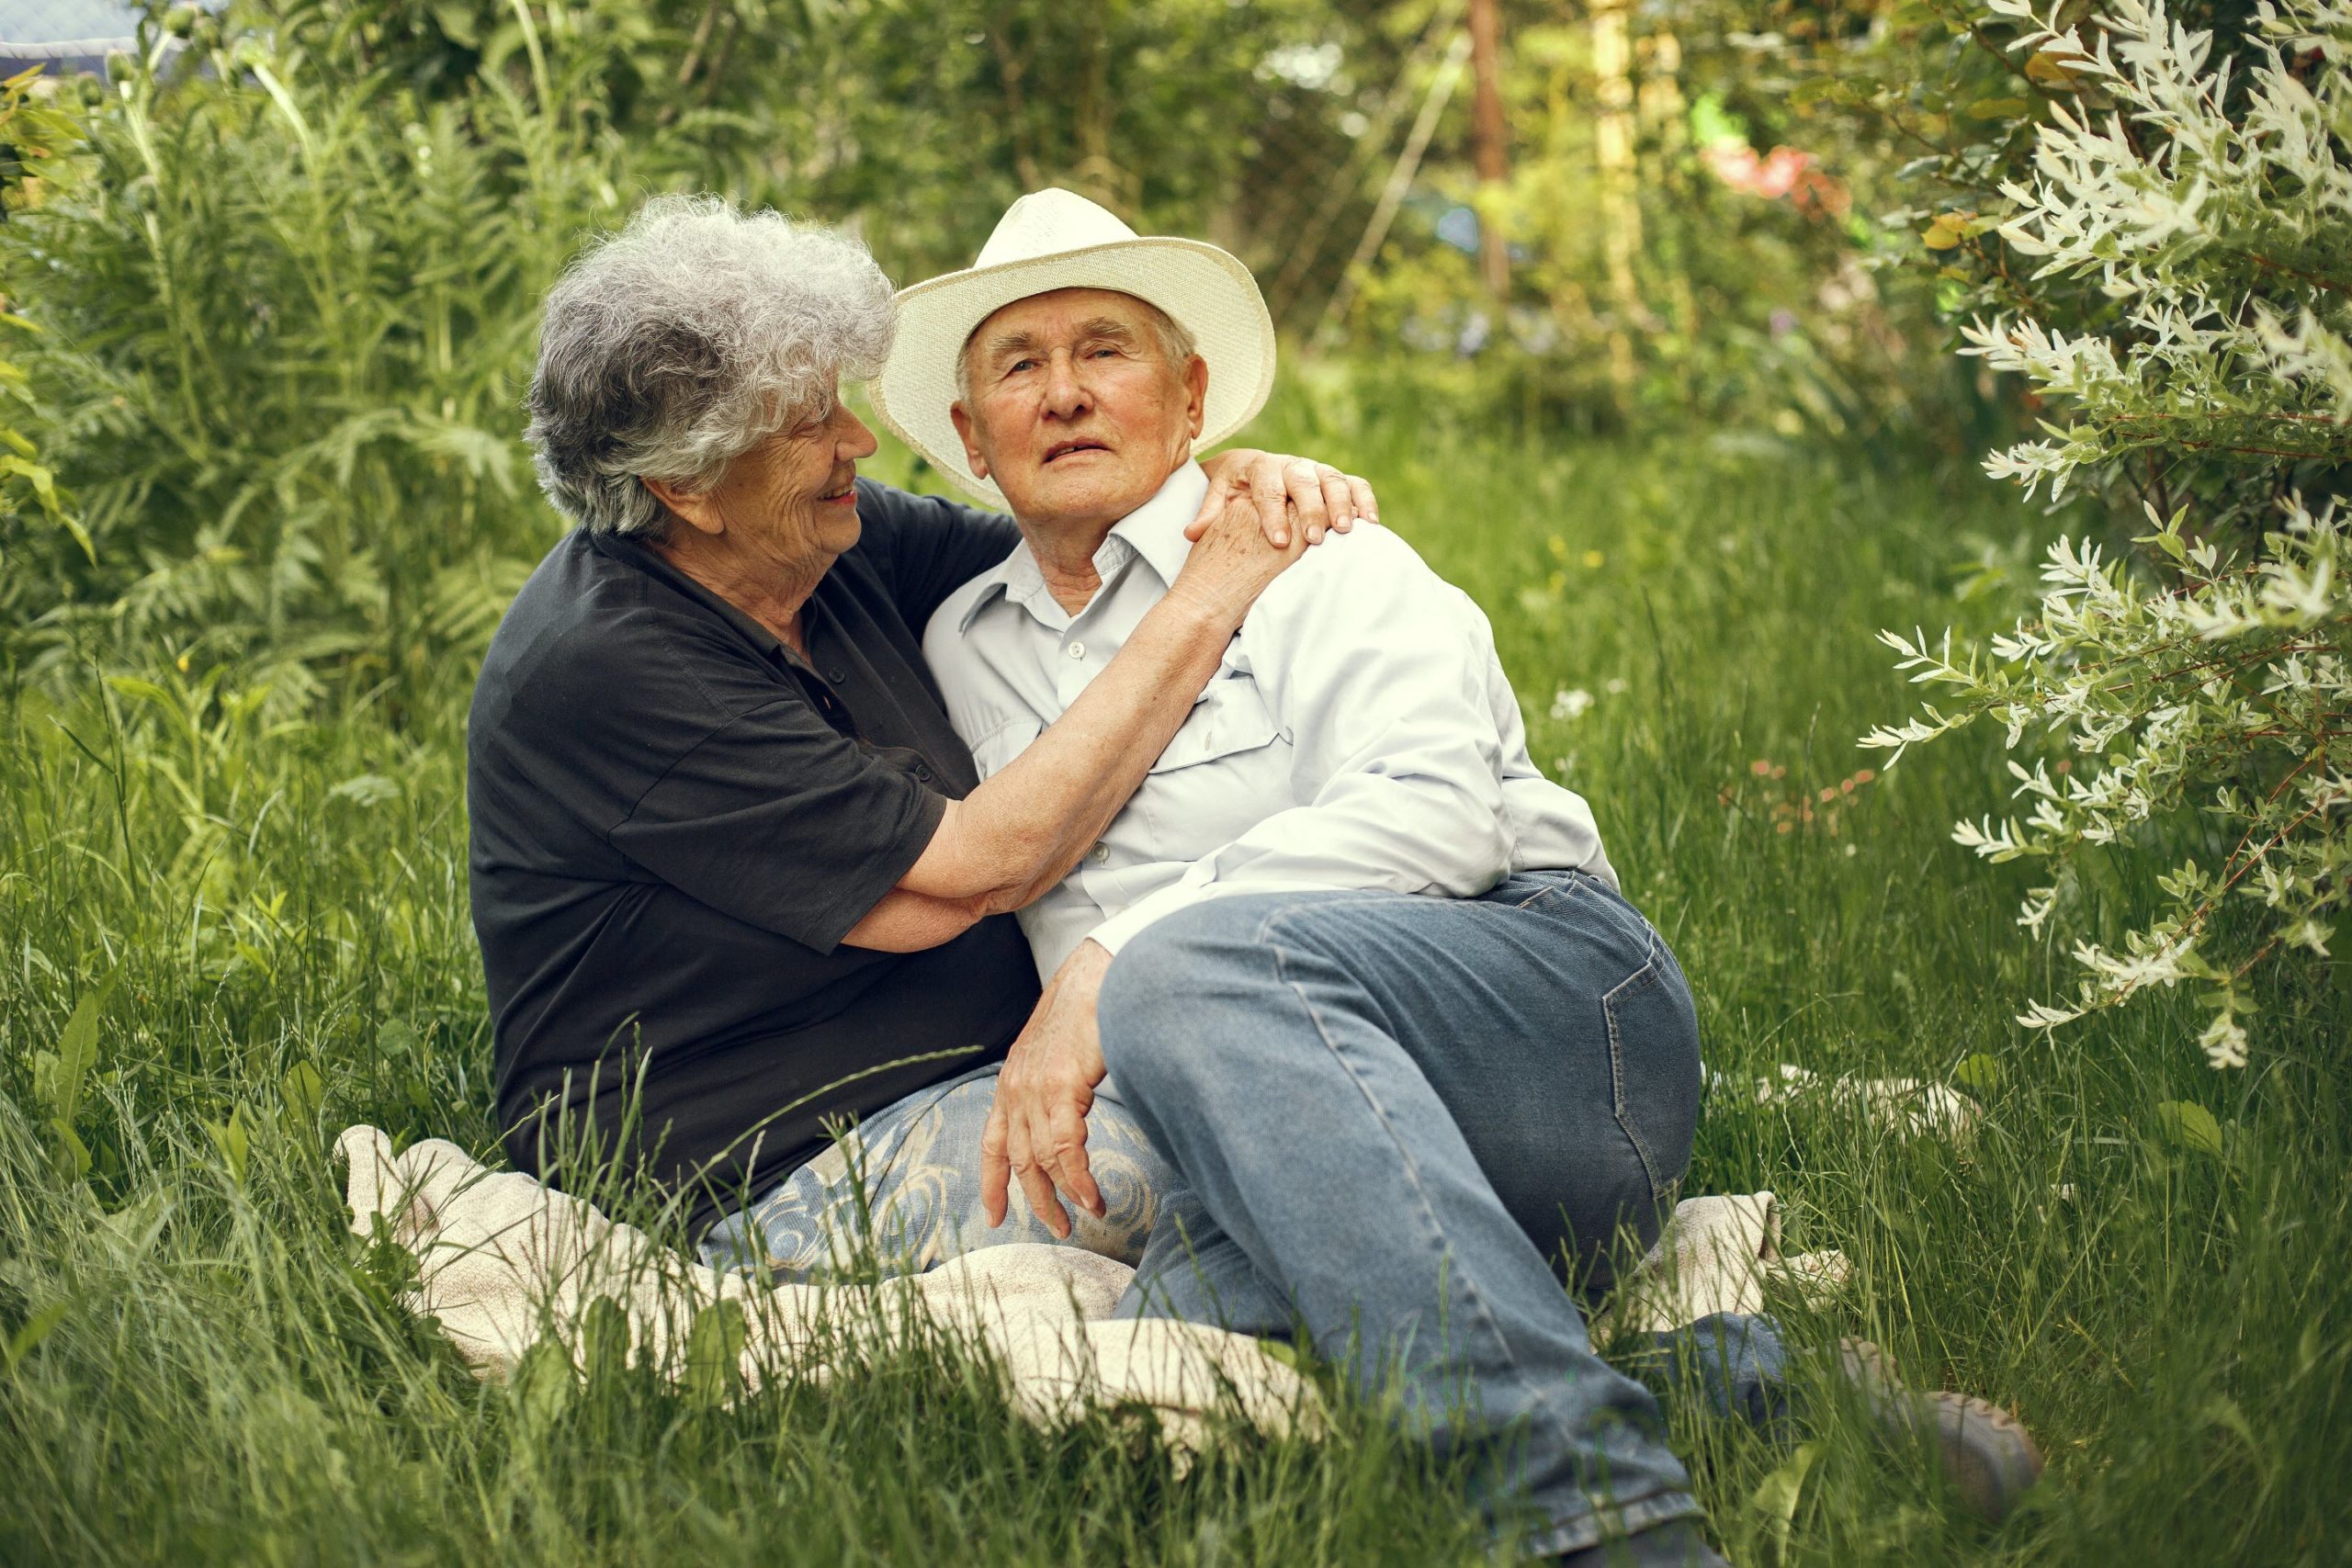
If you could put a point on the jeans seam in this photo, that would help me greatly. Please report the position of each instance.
(1646, 975)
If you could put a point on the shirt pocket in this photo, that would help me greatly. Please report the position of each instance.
(1228, 769)
(991, 752)
(1229, 716)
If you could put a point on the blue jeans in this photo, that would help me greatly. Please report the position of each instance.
(1399, 1122)
(1532, 1050)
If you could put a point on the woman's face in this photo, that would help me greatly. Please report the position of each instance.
(790, 503)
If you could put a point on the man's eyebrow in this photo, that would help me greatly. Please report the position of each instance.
(1108, 327)
(1009, 343)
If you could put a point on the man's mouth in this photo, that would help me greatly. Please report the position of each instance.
(1061, 449)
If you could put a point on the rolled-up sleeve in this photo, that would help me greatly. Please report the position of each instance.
(778, 820)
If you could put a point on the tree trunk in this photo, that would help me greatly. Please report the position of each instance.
(1621, 210)
(1490, 152)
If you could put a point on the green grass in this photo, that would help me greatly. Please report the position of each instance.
(204, 1367)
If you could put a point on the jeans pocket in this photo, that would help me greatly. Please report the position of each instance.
(1654, 1066)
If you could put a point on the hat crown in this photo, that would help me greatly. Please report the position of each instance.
(1048, 222)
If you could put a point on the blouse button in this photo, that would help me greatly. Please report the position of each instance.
(1100, 852)
(1078, 650)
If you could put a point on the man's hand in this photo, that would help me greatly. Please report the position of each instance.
(1036, 1128)
(1315, 497)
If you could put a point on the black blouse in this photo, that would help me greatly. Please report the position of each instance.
(675, 821)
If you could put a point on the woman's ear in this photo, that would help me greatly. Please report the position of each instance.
(698, 508)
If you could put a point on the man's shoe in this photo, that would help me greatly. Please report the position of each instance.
(1985, 1450)
(1675, 1544)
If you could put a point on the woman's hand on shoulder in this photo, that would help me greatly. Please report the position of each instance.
(1295, 496)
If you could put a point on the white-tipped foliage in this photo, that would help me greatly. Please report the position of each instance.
(2204, 694)
(2217, 214)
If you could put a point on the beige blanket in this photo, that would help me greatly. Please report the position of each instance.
(504, 1262)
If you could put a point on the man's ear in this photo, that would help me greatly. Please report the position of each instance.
(698, 508)
(973, 457)
(1196, 384)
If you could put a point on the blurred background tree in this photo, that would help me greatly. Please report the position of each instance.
(286, 304)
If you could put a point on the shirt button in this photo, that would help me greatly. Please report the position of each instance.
(1078, 650)
(1100, 852)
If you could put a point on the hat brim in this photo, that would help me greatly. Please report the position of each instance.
(1205, 290)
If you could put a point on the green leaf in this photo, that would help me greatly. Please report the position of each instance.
(302, 1092)
(603, 1340)
(2188, 1125)
(1710, 122)
(77, 1049)
(1777, 1496)
(1980, 1072)
(233, 1142)
(542, 1385)
(714, 1354)
(1996, 108)
(72, 1154)
(33, 1330)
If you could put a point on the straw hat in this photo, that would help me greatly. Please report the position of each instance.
(1057, 239)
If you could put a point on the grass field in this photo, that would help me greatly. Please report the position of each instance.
(202, 1367)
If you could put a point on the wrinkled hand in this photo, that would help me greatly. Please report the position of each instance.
(1036, 1128)
(1291, 492)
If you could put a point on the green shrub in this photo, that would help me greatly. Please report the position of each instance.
(286, 308)
(2201, 692)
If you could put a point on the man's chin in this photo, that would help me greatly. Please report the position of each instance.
(1087, 492)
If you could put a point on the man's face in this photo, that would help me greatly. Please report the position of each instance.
(1074, 410)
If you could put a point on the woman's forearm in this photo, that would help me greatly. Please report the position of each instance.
(912, 922)
(1024, 828)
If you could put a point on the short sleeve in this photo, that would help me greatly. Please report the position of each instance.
(926, 547)
(778, 820)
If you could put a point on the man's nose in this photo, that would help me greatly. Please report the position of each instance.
(1066, 394)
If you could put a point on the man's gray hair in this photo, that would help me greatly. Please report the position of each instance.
(673, 347)
(1176, 345)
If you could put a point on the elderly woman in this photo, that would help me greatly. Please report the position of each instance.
(735, 878)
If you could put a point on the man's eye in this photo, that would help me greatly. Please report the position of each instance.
(1103, 350)
(1019, 365)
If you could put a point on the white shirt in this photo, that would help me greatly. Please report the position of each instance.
(1359, 733)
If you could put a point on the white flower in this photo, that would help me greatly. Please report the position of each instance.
(2224, 1041)
(1570, 701)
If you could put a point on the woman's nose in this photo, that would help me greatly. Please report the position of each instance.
(857, 441)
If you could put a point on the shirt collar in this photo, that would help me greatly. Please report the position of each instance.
(1154, 531)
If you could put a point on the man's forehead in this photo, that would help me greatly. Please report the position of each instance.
(1032, 313)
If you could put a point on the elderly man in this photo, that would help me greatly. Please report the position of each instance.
(1362, 973)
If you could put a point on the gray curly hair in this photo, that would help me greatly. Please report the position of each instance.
(673, 347)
